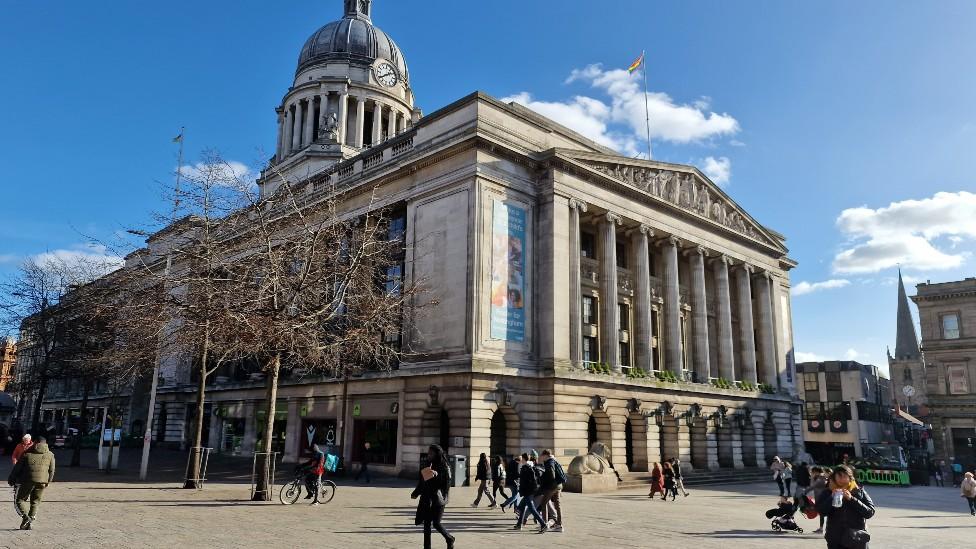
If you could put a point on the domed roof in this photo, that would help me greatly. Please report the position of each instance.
(352, 38)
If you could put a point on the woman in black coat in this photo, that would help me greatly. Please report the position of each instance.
(433, 494)
(847, 524)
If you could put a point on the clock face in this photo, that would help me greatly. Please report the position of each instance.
(908, 390)
(387, 75)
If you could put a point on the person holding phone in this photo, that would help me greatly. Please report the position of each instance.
(432, 489)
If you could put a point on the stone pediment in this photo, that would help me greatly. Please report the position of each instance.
(687, 190)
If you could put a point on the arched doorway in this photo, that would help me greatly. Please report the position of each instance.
(699, 445)
(445, 430)
(724, 435)
(499, 433)
(770, 441)
(635, 432)
(749, 445)
(598, 429)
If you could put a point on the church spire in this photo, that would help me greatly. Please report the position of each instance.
(906, 344)
(359, 9)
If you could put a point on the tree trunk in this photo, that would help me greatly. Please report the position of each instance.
(262, 490)
(82, 426)
(36, 420)
(193, 469)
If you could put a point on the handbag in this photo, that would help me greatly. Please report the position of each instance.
(855, 538)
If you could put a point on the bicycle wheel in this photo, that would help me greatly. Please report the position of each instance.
(290, 493)
(327, 492)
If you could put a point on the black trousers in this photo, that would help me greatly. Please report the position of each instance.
(972, 504)
(433, 521)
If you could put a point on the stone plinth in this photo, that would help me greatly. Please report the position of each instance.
(592, 483)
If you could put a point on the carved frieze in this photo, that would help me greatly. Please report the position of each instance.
(684, 190)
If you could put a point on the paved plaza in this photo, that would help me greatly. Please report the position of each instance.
(88, 509)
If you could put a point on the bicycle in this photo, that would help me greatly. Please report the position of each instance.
(293, 490)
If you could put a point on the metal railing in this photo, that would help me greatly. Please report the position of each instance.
(203, 459)
(269, 462)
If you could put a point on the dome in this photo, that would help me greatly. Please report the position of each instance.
(352, 38)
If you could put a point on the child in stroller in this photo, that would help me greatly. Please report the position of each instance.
(782, 516)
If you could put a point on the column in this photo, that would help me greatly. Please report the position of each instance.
(609, 323)
(767, 346)
(289, 126)
(699, 312)
(403, 123)
(643, 352)
(279, 147)
(723, 321)
(747, 342)
(309, 122)
(377, 123)
(672, 304)
(575, 296)
(711, 442)
(391, 128)
(343, 115)
(360, 121)
(296, 139)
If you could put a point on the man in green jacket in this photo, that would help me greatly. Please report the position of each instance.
(33, 472)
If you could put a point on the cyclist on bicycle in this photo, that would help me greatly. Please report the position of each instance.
(315, 468)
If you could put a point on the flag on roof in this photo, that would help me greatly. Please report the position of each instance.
(636, 64)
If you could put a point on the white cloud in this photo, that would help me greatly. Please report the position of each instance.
(620, 121)
(95, 259)
(852, 354)
(810, 287)
(801, 356)
(225, 172)
(719, 170)
(907, 233)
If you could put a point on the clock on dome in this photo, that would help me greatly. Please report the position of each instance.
(387, 74)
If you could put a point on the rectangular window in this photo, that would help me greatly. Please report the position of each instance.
(834, 392)
(381, 434)
(587, 245)
(624, 354)
(623, 317)
(590, 351)
(621, 255)
(950, 326)
(396, 232)
(958, 380)
(651, 261)
(813, 410)
(811, 387)
(589, 310)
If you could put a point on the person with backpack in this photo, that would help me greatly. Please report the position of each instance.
(482, 476)
(553, 480)
(498, 475)
(528, 486)
(512, 481)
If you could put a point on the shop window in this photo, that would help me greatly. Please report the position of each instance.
(381, 434)
(950, 326)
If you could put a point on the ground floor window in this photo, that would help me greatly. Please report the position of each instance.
(233, 435)
(317, 431)
(381, 434)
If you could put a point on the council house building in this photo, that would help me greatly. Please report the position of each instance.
(581, 295)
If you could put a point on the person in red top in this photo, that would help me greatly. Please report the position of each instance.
(316, 468)
(25, 444)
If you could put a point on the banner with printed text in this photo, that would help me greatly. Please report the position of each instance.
(507, 272)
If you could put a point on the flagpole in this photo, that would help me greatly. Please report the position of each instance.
(647, 111)
(179, 171)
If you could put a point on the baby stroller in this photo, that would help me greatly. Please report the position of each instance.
(782, 517)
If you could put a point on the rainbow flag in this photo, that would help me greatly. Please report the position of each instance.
(636, 64)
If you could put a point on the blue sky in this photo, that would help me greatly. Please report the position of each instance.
(836, 123)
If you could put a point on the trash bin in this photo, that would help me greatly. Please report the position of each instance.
(459, 469)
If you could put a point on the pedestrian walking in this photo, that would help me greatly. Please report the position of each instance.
(969, 492)
(553, 480)
(498, 475)
(33, 473)
(528, 486)
(669, 484)
(819, 479)
(512, 482)
(482, 476)
(787, 475)
(956, 472)
(801, 477)
(936, 473)
(777, 468)
(20, 449)
(679, 482)
(433, 489)
(364, 464)
(657, 481)
(847, 508)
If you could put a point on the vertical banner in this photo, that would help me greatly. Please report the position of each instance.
(507, 272)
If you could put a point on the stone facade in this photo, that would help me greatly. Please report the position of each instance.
(581, 296)
(8, 361)
(947, 313)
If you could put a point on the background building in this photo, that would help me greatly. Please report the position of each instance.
(947, 312)
(8, 361)
(907, 366)
(847, 410)
(582, 296)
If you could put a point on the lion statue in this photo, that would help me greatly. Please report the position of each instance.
(595, 462)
